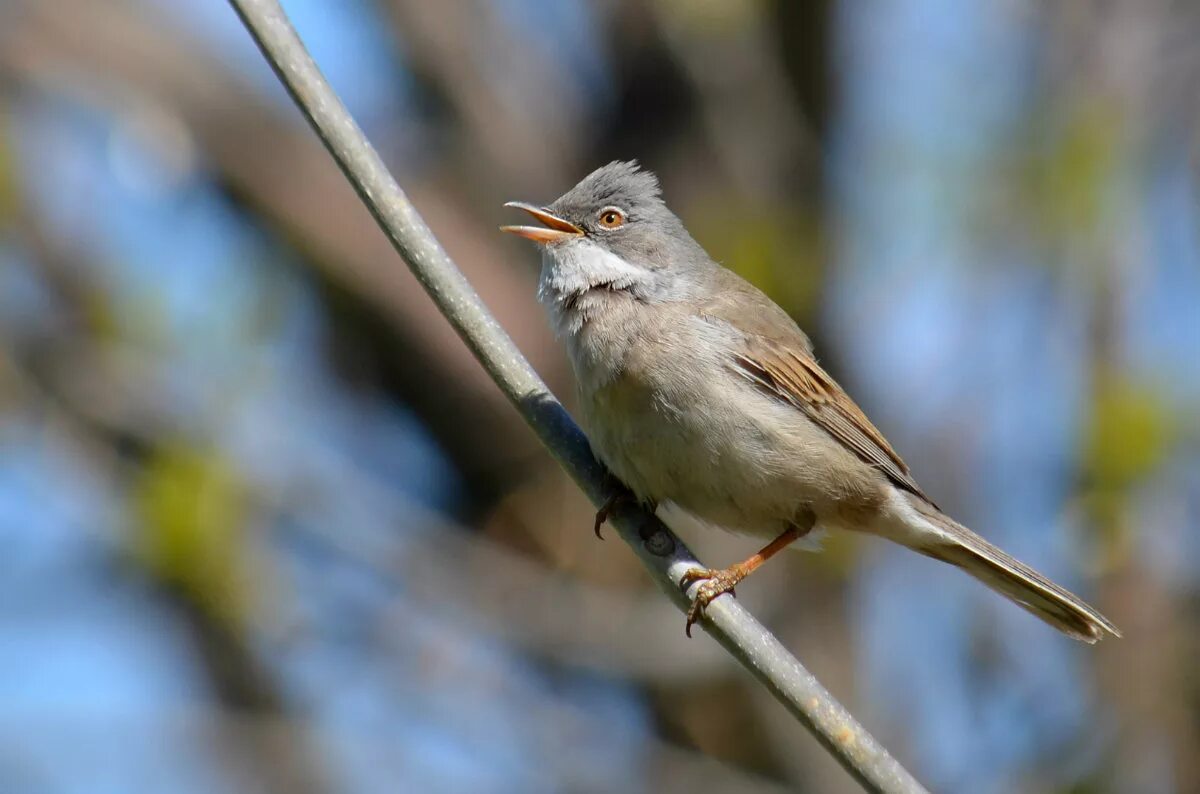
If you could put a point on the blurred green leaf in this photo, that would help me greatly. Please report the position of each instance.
(9, 190)
(1127, 433)
(192, 510)
(781, 251)
(1126, 439)
(1069, 165)
(713, 17)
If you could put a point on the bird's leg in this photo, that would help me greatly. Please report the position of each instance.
(719, 582)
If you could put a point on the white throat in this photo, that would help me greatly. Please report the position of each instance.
(577, 277)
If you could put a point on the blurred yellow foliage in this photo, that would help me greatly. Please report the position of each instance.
(192, 510)
(1126, 439)
(8, 177)
(1070, 182)
(713, 17)
(1127, 433)
(780, 251)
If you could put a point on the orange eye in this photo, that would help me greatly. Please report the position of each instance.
(612, 218)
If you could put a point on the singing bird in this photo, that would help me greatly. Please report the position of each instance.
(696, 389)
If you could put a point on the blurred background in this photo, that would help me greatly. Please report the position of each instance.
(265, 526)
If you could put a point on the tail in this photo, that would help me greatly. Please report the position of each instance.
(944, 539)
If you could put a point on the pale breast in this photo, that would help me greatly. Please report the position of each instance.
(674, 424)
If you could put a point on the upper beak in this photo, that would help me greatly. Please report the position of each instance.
(555, 227)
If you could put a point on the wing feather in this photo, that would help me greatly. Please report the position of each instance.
(795, 377)
(778, 358)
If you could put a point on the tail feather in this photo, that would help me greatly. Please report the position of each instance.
(1010, 577)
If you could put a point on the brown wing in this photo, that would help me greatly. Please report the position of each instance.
(777, 357)
(792, 375)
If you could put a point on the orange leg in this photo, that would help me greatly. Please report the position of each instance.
(719, 582)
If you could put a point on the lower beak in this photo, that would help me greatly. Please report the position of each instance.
(553, 229)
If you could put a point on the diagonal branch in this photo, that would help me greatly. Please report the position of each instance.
(663, 555)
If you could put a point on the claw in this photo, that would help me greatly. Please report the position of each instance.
(693, 616)
(611, 504)
(603, 513)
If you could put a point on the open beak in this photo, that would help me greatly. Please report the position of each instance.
(553, 228)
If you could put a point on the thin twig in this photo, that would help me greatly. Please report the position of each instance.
(663, 555)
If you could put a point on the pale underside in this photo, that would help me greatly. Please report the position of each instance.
(739, 428)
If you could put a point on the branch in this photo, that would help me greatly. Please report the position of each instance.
(266, 156)
(663, 555)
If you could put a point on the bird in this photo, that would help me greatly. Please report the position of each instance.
(697, 390)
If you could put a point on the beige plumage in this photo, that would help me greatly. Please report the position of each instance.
(696, 389)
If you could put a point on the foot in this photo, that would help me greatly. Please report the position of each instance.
(717, 583)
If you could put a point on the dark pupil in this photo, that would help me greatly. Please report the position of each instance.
(610, 217)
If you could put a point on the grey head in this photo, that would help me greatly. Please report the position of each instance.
(612, 232)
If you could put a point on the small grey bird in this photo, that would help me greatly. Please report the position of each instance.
(696, 389)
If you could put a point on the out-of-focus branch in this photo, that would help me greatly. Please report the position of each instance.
(239, 679)
(505, 93)
(665, 557)
(751, 85)
(136, 60)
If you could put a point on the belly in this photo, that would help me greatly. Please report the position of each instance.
(666, 415)
(721, 464)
